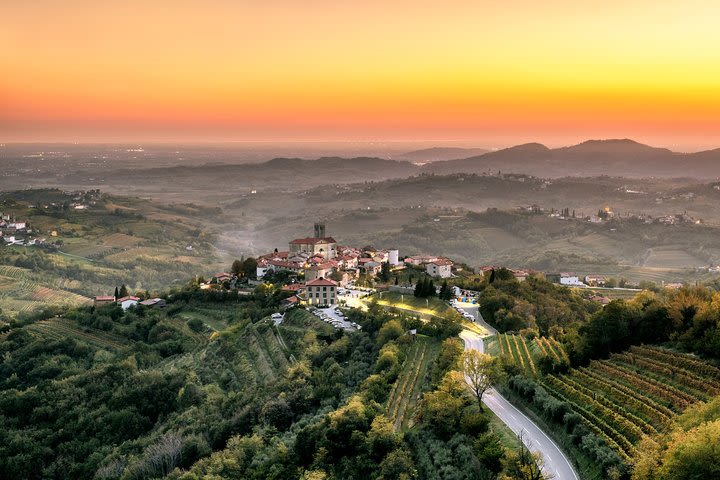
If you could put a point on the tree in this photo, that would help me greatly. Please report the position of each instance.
(123, 291)
(237, 267)
(481, 371)
(384, 271)
(693, 455)
(491, 279)
(524, 464)
(418, 288)
(390, 331)
(117, 292)
(445, 291)
(249, 267)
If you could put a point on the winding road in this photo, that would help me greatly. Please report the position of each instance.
(557, 466)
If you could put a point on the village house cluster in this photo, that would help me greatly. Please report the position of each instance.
(327, 266)
(128, 301)
(16, 232)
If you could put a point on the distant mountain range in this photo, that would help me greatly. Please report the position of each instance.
(437, 154)
(617, 158)
(594, 157)
(621, 158)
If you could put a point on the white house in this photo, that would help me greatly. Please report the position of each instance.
(570, 279)
(127, 302)
(439, 268)
(262, 268)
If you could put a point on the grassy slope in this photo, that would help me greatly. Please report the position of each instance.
(425, 308)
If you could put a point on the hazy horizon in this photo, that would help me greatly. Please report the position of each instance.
(396, 146)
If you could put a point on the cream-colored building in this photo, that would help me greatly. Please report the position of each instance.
(326, 246)
(322, 270)
(439, 268)
(321, 292)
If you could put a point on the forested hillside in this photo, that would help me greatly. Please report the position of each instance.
(150, 393)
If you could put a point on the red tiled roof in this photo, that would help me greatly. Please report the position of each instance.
(293, 287)
(312, 241)
(441, 262)
(282, 263)
(321, 282)
(120, 300)
(321, 266)
(104, 298)
(270, 256)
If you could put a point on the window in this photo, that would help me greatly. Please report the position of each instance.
(324, 288)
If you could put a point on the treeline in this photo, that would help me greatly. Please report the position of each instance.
(688, 317)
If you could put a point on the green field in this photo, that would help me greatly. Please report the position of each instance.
(408, 303)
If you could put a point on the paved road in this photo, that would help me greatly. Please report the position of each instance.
(557, 465)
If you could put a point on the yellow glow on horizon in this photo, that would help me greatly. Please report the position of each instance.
(340, 69)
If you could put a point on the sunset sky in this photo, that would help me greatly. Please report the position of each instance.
(496, 73)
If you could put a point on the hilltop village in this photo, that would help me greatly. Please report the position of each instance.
(317, 268)
(326, 266)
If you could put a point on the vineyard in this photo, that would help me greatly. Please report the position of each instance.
(634, 393)
(22, 290)
(407, 388)
(58, 328)
(526, 353)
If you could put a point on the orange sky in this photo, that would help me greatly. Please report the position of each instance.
(493, 72)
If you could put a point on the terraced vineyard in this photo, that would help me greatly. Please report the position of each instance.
(635, 393)
(526, 353)
(406, 391)
(57, 328)
(22, 290)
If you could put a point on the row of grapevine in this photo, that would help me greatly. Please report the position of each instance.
(617, 417)
(613, 438)
(557, 347)
(404, 386)
(645, 406)
(681, 376)
(58, 328)
(674, 397)
(680, 360)
(514, 348)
